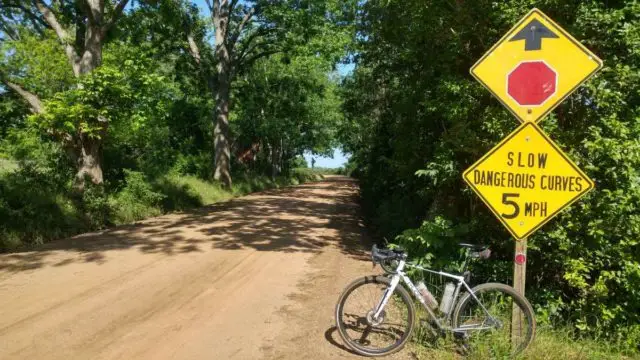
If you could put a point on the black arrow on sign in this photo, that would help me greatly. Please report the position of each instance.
(532, 34)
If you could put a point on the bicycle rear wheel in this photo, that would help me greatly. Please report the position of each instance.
(357, 327)
(493, 334)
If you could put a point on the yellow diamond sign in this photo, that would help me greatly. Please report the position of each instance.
(526, 180)
(535, 66)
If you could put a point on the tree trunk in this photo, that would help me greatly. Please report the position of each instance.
(32, 99)
(89, 157)
(92, 55)
(276, 159)
(221, 132)
(222, 152)
(89, 162)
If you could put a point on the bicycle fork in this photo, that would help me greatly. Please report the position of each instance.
(395, 280)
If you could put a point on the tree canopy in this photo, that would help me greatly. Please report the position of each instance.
(416, 120)
(111, 110)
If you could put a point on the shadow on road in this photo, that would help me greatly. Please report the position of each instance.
(329, 336)
(298, 219)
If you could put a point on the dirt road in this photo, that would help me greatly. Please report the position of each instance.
(254, 278)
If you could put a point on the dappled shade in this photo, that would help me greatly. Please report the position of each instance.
(298, 219)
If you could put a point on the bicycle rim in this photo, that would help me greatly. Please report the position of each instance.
(363, 333)
(507, 331)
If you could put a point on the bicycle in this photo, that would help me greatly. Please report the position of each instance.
(388, 316)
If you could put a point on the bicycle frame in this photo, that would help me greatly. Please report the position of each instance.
(400, 275)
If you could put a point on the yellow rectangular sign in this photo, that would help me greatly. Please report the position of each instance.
(535, 66)
(526, 180)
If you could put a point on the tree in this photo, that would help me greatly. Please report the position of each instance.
(288, 105)
(238, 42)
(417, 120)
(89, 21)
(249, 30)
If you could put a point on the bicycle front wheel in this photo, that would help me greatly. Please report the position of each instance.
(355, 320)
(501, 322)
(389, 266)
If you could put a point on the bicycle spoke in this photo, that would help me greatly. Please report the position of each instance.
(371, 333)
(491, 329)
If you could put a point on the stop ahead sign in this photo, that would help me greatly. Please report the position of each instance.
(534, 67)
(532, 83)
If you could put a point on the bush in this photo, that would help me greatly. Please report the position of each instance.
(194, 164)
(34, 208)
(96, 206)
(136, 200)
(303, 175)
(37, 204)
(404, 119)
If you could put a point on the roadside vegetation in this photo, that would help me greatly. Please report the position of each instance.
(416, 120)
(39, 205)
(549, 344)
(112, 114)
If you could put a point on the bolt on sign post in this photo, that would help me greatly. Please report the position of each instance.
(526, 179)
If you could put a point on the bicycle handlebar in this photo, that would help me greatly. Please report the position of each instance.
(380, 255)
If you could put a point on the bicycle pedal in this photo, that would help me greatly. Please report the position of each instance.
(463, 349)
(461, 335)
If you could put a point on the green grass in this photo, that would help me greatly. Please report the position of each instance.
(548, 344)
(139, 200)
(36, 208)
(325, 171)
(207, 192)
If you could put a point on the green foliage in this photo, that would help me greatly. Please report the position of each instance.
(430, 244)
(303, 175)
(36, 62)
(13, 112)
(416, 120)
(28, 146)
(136, 200)
(549, 343)
(289, 105)
(196, 164)
(33, 208)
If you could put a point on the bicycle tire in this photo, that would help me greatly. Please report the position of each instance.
(520, 300)
(389, 267)
(342, 327)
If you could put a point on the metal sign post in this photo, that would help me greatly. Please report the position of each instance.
(527, 179)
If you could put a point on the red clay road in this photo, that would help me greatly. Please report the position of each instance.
(253, 278)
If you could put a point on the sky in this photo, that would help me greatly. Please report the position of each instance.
(339, 159)
(202, 4)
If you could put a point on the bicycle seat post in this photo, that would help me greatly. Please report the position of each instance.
(463, 267)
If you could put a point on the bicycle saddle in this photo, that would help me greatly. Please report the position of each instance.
(474, 247)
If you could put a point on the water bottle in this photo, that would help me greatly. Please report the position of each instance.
(426, 295)
(447, 298)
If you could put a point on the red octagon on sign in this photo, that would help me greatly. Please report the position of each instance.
(531, 83)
